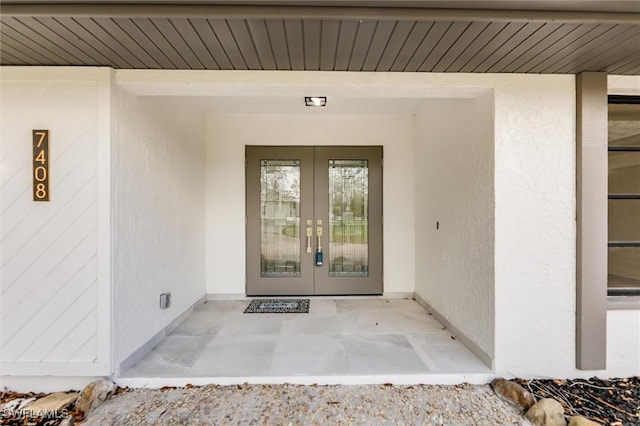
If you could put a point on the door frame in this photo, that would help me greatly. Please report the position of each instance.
(371, 284)
(314, 191)
(301, 285)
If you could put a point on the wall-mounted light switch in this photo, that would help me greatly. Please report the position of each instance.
(165, 300)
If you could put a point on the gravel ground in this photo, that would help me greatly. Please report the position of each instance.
(307, 405)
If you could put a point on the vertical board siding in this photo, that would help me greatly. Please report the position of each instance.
(126, 39)
(44, 36)
(312, 36)
(50, 250)
(293, 32)
(429, 43)
(411, 44)
(129, 27)
(497, 41)
(361, 45)
(398, 38)
(223, 33)
(244, 41)
(341, 44)
(258, 30)
(329, 43)
(204, 30)
(153, 32)
(276, 33)
(287, 43)
(590, 45)
(565, 46)
(14, 33)
(21, 49)
(631, 66)
(168, 30)
(190, 39)
(508, 48)
(472, 31)
(67, 35)
(534, 46)
(379, 43)
(627, 40)
(346, 39)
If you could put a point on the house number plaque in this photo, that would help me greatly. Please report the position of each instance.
(41, 165)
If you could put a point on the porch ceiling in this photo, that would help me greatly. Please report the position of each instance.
(560, 37)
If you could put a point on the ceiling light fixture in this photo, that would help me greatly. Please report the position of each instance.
(315, 101)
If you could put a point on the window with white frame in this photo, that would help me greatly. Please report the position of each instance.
(624, 195)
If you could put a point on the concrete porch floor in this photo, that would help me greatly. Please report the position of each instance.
(340, 340)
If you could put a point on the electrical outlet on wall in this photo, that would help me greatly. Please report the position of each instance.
(165, 300)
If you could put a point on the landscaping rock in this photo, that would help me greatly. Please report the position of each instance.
(546, 412)
(16, 404)
(94, 394)
(69, 421)
(606, 401)
(513, 393)
(581, 421)
(54, 402)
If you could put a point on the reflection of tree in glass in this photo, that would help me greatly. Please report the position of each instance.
(348, 188)
(280, 180)
(348, 204)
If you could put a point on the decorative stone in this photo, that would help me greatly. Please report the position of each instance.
(69, 421)
(581, 421)
(94, 394)
(53, 402)
(546, 412)
(513, 393)
(15, 404)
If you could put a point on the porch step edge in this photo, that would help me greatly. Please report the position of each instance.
(397, 379)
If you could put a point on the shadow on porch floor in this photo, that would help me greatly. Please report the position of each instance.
(337, 338)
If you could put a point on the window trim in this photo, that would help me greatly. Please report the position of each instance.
(622, 292)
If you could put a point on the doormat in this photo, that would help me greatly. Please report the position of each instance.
(278, 306)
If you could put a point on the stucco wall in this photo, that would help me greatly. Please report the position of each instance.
(55, 273)
(534, 183)
(229, 133)
(455, 214)
(158, 217)
(535, 225)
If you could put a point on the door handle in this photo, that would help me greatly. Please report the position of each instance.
(309, 235)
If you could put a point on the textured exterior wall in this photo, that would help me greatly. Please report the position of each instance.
(55, 277)
(623, 344)
(159, 234)
(158, 217)
(454, 188)
(535, 225)
(227, 136)
(536, 236)
(534, 182)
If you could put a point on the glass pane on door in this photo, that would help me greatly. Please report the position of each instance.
(348, 218)
(280, 218)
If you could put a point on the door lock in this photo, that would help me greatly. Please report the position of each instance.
(319, 256)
